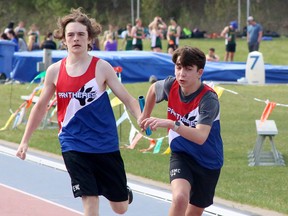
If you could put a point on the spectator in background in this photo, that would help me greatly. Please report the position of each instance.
(31, 44)
(109, 43)
(61, 46)
(12, 36)
(127, 40)
(198, 34)
(156, 33)
(4, 36)
(111, 30)
(173, 35)
(96, 44)
(35, 32)
(49, 42)
(229, 33)
(22, 45)
(211, 56)
(254, 34)
(138, 35)
(20, 30)
(10, 26)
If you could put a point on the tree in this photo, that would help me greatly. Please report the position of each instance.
(209, 15)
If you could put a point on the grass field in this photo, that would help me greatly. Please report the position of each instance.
(274, 51)
(264, 187)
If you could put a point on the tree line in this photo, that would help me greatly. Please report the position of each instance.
(207, 15)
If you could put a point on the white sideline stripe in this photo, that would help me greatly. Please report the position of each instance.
(218, 211)
(165, 196)
(40, 198)
(35, 159)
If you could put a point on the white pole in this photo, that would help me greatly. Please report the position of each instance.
(248, 9)
(138, 8)
(239, 15)
(132, 12)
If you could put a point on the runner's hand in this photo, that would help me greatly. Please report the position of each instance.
(21, 151)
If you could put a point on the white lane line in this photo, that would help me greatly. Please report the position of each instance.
(165, 196)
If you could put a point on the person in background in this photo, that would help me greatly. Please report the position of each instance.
(111, 30)
(138, 35)
(127, 40)
(31, 44)
(10, 26)
(173, 35)
(96, 44)
(12, 36)
(20, 30)
(254, 34)
(212, 56)
(22, 45)
(87, 126)
(61, 46)
(49, 42)
(35, 32)
(109, 43)
(229, 33)
(156, 28)
(4, 36)
(193, 124)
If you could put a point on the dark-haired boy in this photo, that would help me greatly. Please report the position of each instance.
(193, 125)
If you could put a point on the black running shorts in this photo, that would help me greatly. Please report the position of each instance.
(231, 48)
(97, 174)
(203, 181)
(137, 46)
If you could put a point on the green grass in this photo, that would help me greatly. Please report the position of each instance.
(264, 187)
(274, 52)
(258, 186)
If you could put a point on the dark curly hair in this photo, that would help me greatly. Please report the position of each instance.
(76, 15)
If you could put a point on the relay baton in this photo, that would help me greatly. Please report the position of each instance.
(141, 100)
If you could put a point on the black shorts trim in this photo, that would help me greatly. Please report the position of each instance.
(173, 46)
(203, 181)
(157, 46)
(97, 174)
(137, 47)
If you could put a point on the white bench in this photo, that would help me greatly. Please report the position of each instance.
(258, 156)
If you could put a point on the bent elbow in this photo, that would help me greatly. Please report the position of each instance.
(201, 140)
(200, 143)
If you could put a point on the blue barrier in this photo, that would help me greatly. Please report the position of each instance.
(138, 66)
(7, 49)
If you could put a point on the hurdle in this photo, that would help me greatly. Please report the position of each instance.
(258, 156)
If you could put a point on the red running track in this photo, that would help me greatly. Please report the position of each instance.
(14, 202)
